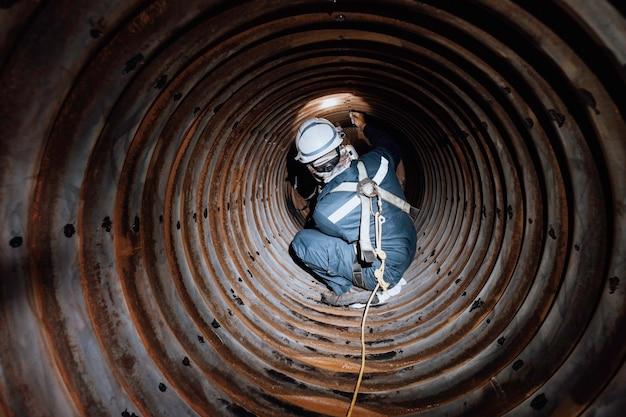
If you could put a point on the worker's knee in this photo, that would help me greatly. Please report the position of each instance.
(306, 247)
(296, 247)
(300, 243)
(322, 253)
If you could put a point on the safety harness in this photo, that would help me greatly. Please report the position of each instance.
(366, 190)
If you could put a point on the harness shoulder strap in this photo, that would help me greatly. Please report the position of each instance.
(384, 194)
(367, 251)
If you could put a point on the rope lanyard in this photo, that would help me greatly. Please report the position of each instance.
(360, 378)
(381, 283)
(380, 253)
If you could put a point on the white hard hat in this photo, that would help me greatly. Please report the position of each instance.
(315, 138)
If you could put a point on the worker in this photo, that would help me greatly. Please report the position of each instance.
(338, 248)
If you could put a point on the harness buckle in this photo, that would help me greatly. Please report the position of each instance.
(366, 256)
(357, 275)
(367, 187)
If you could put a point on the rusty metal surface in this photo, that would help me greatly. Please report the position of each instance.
(146, 207)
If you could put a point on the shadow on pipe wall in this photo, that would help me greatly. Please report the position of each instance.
(147, 208)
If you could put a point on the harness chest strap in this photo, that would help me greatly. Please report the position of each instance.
(367, 189)
(384, 194)
(353, 187)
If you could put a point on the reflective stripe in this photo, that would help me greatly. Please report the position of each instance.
(382, 171)
(349, 205)
(345, 209)
(384, 194)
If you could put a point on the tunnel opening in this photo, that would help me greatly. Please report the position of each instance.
(148, 203)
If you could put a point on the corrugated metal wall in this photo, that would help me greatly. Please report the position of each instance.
(146, 207)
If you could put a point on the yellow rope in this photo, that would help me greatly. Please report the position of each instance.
(381, 283)
(358, 381)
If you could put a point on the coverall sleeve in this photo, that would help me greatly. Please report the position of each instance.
(384, 139)
(322, 223)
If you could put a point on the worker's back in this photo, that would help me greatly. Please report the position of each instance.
(338, 213)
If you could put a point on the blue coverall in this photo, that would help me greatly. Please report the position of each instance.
(329, 249)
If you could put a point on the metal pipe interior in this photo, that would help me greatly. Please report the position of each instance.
(146, 209)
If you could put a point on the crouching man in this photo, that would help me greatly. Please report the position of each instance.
(342, 249)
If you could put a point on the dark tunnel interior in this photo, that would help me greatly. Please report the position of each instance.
(148, 200)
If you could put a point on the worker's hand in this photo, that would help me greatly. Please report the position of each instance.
(357, 119)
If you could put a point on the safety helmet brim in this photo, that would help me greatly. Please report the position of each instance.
(315, 138)
(305, 159)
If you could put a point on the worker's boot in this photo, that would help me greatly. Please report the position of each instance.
(354, 295)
